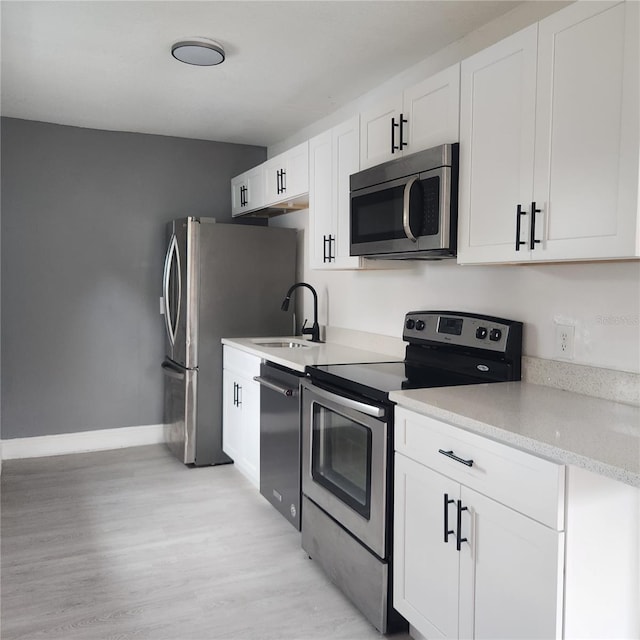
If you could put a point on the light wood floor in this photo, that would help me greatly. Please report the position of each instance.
(133, 544)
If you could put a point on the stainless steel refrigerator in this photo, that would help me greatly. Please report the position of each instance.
(220, 280)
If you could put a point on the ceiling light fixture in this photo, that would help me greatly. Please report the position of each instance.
(201, 52)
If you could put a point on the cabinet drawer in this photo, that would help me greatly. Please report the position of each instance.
(240, 361)
(529, 484)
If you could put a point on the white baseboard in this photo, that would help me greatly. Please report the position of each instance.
(83, 441)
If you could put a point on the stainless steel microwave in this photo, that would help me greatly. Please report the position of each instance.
(407, 208)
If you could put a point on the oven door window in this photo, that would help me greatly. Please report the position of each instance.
(341, 458)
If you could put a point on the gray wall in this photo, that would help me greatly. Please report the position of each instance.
(83, 215)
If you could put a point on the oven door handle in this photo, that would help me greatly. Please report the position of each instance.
(362, 407)
(285, 391)
(405, 209)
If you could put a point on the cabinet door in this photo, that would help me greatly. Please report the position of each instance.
(346, 149)
(296, 176)
(249, 400)
(321, 199)
(231, 417)
(255, 188)
(425, 579)
(497, 130)
(511, 571)
(238, 186)
(432, 110)
(375, 132)
(287, 174)
(586, 133)
(272, 181)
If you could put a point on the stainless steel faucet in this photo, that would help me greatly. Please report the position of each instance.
(314, 330)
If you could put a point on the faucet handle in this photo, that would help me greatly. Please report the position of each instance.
(305, 330)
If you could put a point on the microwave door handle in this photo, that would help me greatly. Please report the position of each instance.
(405, 209)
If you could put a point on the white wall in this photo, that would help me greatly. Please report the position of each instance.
(602, 300)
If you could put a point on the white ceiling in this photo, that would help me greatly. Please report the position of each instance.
(107, 65)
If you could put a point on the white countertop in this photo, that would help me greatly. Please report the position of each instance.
(599, 435)
(311, 354)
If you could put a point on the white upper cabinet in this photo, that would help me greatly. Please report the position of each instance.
(287, 175)
(549, 140)
(333, 157)
(283, 180)
(247, 191)
(586, 167)
(497, 119)
(424, 116)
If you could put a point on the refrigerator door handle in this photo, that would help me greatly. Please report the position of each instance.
(171, 322)
(172, 371)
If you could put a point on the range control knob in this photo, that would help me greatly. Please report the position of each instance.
(420, 325)
(495, 335)
(410, 323)
(481, 333)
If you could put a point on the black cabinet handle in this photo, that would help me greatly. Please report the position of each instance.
(403, 120)
(397, 147)
(459, 539)
(278, 187)
(533, 242)
(332, 255)
(393, 135)
(325, 255)
(283, 181)
(447, 531)
(519, 214)
(236, 394)
(451, 455)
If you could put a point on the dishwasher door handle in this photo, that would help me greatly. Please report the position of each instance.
(274, 386)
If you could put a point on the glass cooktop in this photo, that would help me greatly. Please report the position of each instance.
(377, 380)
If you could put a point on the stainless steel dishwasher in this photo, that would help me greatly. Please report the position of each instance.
(280, 439)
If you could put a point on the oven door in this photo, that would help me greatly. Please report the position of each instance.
(406, 215)
(345, 466)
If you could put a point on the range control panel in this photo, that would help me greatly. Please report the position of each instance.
(463, 329)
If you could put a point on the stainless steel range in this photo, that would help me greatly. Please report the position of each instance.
(347, 444)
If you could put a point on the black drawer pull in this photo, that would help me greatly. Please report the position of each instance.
(451, 455)
(447, 531)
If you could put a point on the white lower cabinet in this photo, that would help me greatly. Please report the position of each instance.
(241, 412)
(493, 542)
(504, 582)
(466, 565)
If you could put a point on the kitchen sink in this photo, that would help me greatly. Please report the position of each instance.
(283, 345)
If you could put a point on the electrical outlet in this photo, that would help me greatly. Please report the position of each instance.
(564, 341)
